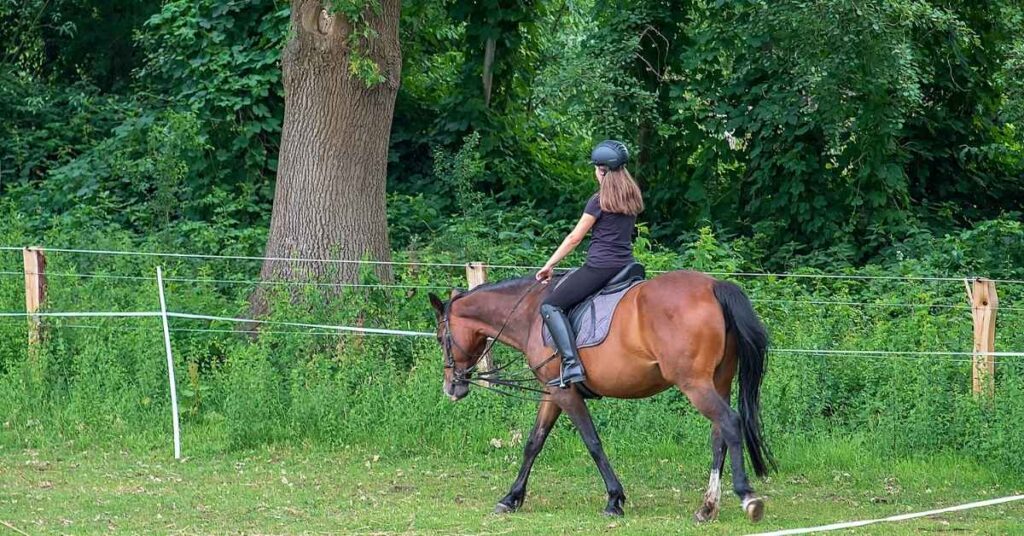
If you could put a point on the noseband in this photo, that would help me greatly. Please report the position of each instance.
(449, 358)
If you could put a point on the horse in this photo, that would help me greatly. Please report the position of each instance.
(680, 328)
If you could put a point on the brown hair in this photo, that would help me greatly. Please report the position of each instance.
(620, 194)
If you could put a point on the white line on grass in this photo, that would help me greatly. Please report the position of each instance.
(901, 517)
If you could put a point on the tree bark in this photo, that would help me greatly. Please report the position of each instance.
(329, 201)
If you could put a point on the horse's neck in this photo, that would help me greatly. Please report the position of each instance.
(507, 315)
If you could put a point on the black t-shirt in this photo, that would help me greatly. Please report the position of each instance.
(611, 242)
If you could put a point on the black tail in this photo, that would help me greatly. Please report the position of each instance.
(752, 346)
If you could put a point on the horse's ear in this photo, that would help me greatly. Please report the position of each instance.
(437, 303)
(455, 293)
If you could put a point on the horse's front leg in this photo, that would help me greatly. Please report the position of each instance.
(547, 414)
(572, 403)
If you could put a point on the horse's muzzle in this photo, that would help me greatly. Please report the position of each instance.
(456, 390)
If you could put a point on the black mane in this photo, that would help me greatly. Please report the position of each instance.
(512, 284)
(508, 284)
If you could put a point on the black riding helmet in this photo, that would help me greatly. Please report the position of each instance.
(611, 154)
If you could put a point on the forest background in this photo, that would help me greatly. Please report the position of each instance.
(865, 139)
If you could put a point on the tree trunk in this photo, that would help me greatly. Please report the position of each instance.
(329, 201)
(488, 69)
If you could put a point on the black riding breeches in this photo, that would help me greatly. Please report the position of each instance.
(578, 285)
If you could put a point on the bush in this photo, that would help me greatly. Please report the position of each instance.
(106, 384)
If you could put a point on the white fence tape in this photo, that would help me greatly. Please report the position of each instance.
(378, 331)
(505, 266)
(409, 333)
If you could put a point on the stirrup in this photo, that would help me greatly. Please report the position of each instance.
(561, 382)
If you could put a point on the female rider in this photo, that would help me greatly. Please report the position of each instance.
(611, 213)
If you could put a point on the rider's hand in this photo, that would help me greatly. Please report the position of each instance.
(544, 274)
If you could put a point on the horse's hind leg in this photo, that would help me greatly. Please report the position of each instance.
(547, 414)
(704, 397)
(713, 496)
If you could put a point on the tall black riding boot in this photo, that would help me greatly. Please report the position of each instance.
(565, 341)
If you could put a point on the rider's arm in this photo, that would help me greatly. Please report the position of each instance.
(572, 240)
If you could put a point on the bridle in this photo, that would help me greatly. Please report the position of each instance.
(448, 341)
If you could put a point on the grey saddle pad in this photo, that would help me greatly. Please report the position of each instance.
(592, 318)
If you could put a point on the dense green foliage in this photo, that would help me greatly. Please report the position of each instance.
(804, 125)
(867, 138)
(829, 123)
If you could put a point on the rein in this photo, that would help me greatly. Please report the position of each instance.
(491, 375)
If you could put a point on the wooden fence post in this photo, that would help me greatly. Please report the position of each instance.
(984, 303)
(476, 275)
(35, 290)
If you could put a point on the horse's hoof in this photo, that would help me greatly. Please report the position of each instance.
(502, 508)
(614, 512)
(614, 508)
(754, 507)
(705, 514)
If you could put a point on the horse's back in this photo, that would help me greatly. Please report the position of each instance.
(684, 282)
(664, 328)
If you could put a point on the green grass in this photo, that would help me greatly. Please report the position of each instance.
(356, 490)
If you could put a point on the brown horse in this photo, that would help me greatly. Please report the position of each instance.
(680, 328)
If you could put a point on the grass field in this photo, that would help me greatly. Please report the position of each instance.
(358, 491)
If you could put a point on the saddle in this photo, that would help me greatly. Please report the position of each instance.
(592, 318)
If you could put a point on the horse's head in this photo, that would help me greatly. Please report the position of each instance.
(461, 345)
